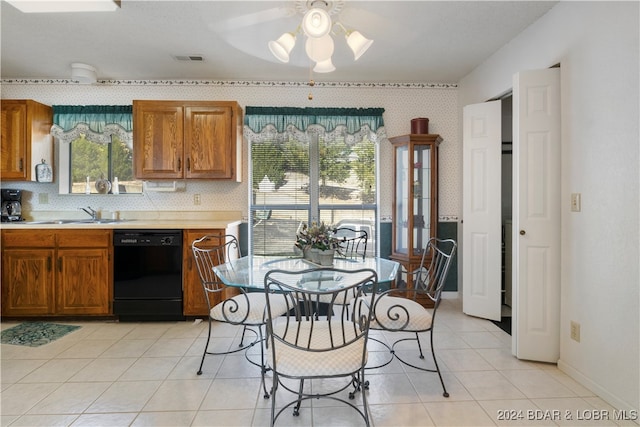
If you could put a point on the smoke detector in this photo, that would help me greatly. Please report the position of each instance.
(83, 73)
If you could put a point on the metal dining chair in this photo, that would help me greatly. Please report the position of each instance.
(353, 243)
(304, 345)
(399, 310)
(247, 309)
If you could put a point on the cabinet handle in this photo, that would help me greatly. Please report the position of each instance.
(188, 164)
(21, 165)
(60, 264)
(48, 263)
(179, 164)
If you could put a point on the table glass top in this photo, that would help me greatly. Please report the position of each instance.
(249, 271)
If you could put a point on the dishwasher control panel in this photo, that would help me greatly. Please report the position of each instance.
(147, 238)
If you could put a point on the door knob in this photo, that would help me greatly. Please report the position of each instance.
(522, 232)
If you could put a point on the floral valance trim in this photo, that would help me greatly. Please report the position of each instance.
(282, 118)
(270, 134)
(82, 130)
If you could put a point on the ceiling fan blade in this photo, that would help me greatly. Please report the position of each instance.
(250, 19)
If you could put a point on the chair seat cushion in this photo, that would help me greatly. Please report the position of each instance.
(400, 314)
(300, 362)
(247, 309)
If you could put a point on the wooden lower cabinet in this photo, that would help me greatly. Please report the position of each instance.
(194, 303)
(56, 272)
(27, 282)
(82, 287)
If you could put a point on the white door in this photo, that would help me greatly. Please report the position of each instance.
(481, 210)
(536, 215)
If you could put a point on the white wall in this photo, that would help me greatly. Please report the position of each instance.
(597, 45)
(401, 103)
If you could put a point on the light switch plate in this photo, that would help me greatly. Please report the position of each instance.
(575, 202)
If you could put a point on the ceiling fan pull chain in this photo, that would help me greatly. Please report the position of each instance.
(311, 83)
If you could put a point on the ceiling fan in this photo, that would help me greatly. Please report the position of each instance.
(286, 9)
(274, 31)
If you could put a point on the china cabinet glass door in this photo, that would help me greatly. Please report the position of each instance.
(421, 197)
(401, 213)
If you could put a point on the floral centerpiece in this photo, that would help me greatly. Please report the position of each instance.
(317, 238)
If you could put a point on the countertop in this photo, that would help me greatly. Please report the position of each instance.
(129, 220)
(126, 224)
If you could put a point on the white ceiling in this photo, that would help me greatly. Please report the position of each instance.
(414, 41)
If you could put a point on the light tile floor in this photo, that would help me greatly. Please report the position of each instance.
(144, 374)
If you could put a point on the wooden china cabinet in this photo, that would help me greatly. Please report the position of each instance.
(415, 200)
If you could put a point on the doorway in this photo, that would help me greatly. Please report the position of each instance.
(506, 212)
(536, 213)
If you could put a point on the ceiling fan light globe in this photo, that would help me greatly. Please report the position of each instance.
(324, 66)
(316, 22)
(282, 47)
(319, 49)
(358, 43)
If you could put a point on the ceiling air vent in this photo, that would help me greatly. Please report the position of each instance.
(189, 58)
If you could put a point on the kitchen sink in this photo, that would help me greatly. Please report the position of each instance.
(75, 221)
(55, 221)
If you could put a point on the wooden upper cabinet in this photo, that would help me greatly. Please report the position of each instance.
(26, 138)
(187, 139)
(158, 140)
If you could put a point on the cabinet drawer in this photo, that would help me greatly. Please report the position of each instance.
(84, 238)
(28, 238)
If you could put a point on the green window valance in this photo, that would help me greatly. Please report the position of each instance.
(257, 118)
(96, 116)
(96, 123)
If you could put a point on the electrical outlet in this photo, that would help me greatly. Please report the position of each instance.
(575, 331)
(575, 202)
(43, 198)
(196, 199)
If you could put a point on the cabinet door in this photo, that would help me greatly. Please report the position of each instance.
(401, 201)
(194, 303)
(423, 224)
(158, 140)
(83, 281)
(26, 138)
(28, 282)
(13, 159)
(208, 144)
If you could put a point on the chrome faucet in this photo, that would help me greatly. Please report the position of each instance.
(88, 210)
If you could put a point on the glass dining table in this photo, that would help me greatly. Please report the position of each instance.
(249, 271)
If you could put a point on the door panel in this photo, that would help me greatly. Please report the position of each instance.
(482, 231)
(536, 216)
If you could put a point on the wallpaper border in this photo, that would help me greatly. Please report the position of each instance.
(229, 83)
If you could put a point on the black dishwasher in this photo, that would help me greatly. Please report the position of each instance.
(147, 278)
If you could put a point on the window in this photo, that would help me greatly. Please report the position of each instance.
(319, 166)
(95, 146)
(101, 161)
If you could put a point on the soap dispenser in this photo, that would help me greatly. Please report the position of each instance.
(87, 187)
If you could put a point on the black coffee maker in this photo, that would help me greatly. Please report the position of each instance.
(11, 205)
